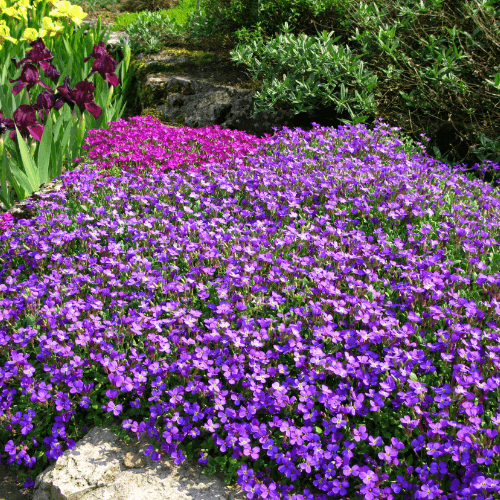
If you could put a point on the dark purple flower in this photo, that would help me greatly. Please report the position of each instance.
(38, 54)
(46, 101)
(52, 74)
(82, 95)
(5, 124)
(29, 77)
(105, 66)
(99, 50)
(25, 119)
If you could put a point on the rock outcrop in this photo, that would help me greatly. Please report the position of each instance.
(103, 467)
(197, 89)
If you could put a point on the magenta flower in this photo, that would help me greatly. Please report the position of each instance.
(29, 77)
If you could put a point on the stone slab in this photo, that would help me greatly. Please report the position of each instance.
(102, 466)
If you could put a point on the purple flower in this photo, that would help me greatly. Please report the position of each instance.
(360, 434)
(6, 124)
(103, 64)
(25, 119)
(112, 407)
(46, 101)
(29, 77)
(38, 54)
(10, 447)
(82, 95)
(369, 477)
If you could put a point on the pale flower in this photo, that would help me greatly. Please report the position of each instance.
(49, 27)
(31, 34)
(5, 33)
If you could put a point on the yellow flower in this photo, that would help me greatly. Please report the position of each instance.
(76, 14)
(51, 28)
(11, 12)
(30, 34)
(71, 12)
(5, 33)
(23, 12)
(3, 4)
(61, 9)
(24, 3)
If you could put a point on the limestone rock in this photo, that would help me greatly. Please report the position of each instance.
(198, 103)
(114, 36)
(103, 467)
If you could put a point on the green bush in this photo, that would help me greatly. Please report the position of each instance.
(308, 73)
(125, 20)
(179, 15)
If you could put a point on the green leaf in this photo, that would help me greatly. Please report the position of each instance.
(28, 163)
(44, 152)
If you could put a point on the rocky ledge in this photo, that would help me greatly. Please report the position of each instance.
(102, 466)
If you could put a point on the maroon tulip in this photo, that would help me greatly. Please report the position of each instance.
(5, 124)
(25, 119)
(38, 54)
(82, 95)
(29, 77)
(105, 66)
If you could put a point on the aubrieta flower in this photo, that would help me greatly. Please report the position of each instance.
(369, 333)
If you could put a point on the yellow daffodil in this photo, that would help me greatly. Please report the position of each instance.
(51, 28)
(3, 5)
(5, 33)
(32, 34)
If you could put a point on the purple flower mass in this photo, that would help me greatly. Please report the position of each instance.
(322, 310)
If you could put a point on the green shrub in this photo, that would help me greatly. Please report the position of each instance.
(125, 20)
(308, 73)
(150, 30)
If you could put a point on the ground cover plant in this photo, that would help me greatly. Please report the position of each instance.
(316, 318)
(435, 63)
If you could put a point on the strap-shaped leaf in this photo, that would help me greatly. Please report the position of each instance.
(28, 163)
(44, 152)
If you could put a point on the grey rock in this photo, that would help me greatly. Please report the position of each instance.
(198, 103)
(115, 37)
(103, 467)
